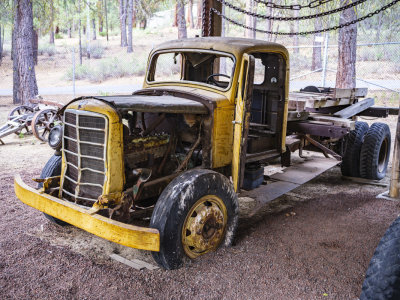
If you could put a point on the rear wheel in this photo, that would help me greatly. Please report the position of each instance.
(195, 214)
(52, 168)
(382, 280)
(375, 152)
(351, 159)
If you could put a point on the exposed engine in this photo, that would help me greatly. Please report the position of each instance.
(164, 143)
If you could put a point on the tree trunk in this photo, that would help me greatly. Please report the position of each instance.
(199, 12)
(35, 46)
(134, 14)
(2, 42)
(122, 20)
(378, 28)
(190, 14)
(130, 16)
(182, 32)
(346, 72)
(250, 21)
(106, 13)
(143, 24)
(175, 23)
(27, 86)
(296, 30)
(88, 29)
(269, 24)
(51, 22)
(16, 97)
(1, 45)
(80, 32)
(94, 29)
(316, 55)
(99, 9)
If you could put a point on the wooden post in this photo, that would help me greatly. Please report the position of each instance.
(216, 21)
(395, 175)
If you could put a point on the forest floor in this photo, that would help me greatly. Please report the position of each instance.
(314, 243)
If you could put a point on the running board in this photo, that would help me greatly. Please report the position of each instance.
(291, 178)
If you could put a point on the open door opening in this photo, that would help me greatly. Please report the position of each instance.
(242, 120)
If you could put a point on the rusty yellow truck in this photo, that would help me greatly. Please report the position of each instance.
(213, 112)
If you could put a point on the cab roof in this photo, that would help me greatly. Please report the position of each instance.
(236, 46)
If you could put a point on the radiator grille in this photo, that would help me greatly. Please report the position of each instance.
(84, 147)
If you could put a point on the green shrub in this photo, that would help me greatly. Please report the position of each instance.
(139, 65)
(103, 70)
(96, 50)
(58, 36)
(103, 33)
(299, 61)
(81, 72)
(48, 49)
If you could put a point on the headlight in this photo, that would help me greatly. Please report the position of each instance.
(55, 137)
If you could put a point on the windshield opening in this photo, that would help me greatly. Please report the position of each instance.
(211, 68)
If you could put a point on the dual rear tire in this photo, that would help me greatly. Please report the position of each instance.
(367, 151)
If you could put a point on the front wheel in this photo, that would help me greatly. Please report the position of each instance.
(195, 214)
(51, 169)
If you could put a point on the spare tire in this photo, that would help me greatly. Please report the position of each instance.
(382, 280)
(375, 152)
(351, 159)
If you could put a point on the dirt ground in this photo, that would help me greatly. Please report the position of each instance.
(314, 243)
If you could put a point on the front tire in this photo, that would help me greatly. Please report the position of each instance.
(195, 214)
(382, 280)
(52, 168)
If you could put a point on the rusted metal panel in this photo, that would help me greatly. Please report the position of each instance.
(306, 170)
(318, 129)
(266, 193)
(341, 122)
(354, 109)
(164, 103)
(291, 178)
(350, 93)
(379, 112)
(297, 116)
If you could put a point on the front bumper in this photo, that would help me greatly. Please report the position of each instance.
(114, 231)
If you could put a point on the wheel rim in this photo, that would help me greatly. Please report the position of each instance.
(19, 110)
(204, 226)
(43, 122)
(383, 156)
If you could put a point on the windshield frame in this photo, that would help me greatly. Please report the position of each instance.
(152, 67)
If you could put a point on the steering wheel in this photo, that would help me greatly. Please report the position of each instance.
(211, 80)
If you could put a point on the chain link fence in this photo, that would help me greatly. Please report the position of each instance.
(111, 70)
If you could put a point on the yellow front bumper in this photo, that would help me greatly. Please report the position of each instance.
(117, 232)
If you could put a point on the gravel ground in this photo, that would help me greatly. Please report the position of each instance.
(314, 243)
